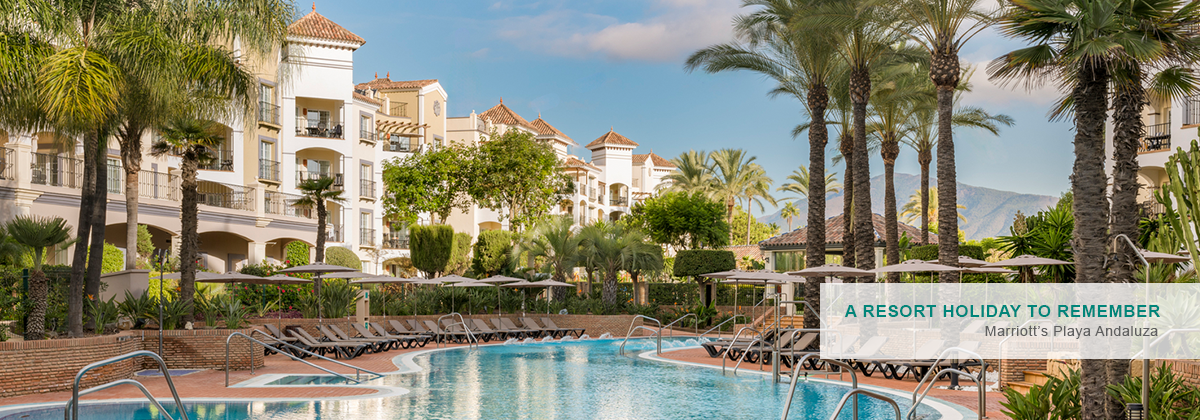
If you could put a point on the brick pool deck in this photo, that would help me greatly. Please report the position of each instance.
(208, 384)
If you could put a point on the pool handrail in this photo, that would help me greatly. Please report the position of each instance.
(72, 409)
(470, 335)
(655, 333)
(356, 379)
(681, 319)
(982, 373)
(912, 411)
(722, 323)
(810, 308)
(634, 320)
(137, 384)
(725, 354)
(840, 364)
(760, 343)
(1000, 346)
(356, 368)
(854, 393)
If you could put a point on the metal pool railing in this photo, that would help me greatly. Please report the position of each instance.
(72, 409)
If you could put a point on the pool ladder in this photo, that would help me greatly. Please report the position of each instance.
(72, 409)
(657, 334)
(357, 370)
(979, 383)
(471, 340)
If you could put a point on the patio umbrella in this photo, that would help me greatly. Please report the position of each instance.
(722, 274)
(965, 261)
(347, 275)
(551, 283)
(522, 284)
(988, 270)
(915, 266)
(1159, 257)
(232, 277)
(453, 278)
(199, 275)
(1027, 261)
(496, 280)
(317, 269)
(831, 270)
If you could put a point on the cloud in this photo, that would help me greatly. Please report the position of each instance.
(985, 92)
(670, 30)
(480, 53)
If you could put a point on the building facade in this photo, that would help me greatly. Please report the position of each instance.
(1169, 124)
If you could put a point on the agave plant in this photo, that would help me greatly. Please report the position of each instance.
(136, 307)
(232, 311)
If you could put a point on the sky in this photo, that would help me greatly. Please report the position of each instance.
(590, 65)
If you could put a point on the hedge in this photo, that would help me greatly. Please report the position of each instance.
(343, 257)
(491, 251)
(432, 247)
(296, 254)
(694, 262)
(930, 252)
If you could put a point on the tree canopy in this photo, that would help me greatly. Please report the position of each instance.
(518, 175)
(432, 182)
(682, 220)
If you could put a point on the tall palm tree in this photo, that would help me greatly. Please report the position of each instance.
(640, 258)
(693, 173)
(606, 243)
(758, 189)
(1082, 45)
(191, 139)
(38, 233)
(789, 212)
(314, 193)
(845, 144)
(799, 184)
(554, 242)
(893, 104)
(734, 172)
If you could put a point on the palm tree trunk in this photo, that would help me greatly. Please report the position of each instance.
(847, 149)
(814, 247)
(83, 232)
(891, 151)
(1088, 185)
(1128, 130)
(189, 237)
(609, 293)
(749, 219)
(947, 212)
(729, 217)
(99, 219)
(39, 289)
(320, 257)
(864, 235)
(925, 157)
(131, 161)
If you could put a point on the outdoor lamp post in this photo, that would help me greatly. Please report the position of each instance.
(1135, 411)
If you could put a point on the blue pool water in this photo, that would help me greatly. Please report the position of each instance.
(584, 379)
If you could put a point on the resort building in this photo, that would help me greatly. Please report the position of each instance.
(1168, 124)
(311, 121)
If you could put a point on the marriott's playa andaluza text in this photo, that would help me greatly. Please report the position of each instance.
(1016, 321)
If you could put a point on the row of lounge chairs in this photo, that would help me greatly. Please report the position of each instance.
(499, 329)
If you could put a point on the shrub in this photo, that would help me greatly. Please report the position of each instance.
(296, 254)
(145, 242)
(460, 257)
(339, 256)
(114, 259)
(1056, 399)
(491, 252)
(432, 247)
(930, 252)
(693, 263)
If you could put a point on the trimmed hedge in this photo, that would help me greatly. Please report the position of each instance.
(343, 257)
(460, 254)
(432, 247)
(491, 252)
(694, 262)
(930, 252)
(296, 254)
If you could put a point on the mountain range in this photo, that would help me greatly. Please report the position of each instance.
(988, 212)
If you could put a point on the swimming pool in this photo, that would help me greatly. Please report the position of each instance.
(584, 379)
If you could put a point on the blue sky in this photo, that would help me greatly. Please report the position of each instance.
(587, 65)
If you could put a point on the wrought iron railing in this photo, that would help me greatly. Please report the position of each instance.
(333, 233)
(367, 135)
(620, 201)
(366, 237)
(237, 197)
(158, 185)
(284, 204)
(116, 173)
(268, 113)
(1158, 137)
(403, 144)
(56, 171)
(222, 160)
(320, 130)
(366, 188)
(268, 170)
(399, 109)
(338, 179)
(1191, 110)
(7, 166)
(395, 240)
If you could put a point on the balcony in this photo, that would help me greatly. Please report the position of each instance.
(395, 240)
(268, 113)
(1158, 138)
(158, 185)
(334, 233)
(620, 201)
(1191, 110)
(7, 166)
(236, 197)
(338, 180)
(402, 145)
(592, 194)
(222, 160)
(1152, 209)
(366, 188)
(366, 237)
(399, 109)
(321, 131)
(366, 135)
(57, 171)
(268, 170)
(284, 204)
(115, 173)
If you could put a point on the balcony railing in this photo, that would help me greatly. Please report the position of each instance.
(404, 144)
(320, 130)
(366, 188)
(592, 194)
(399, 109)
(222, 160)
(268, 113)
(284, 204)
(7, 167)
(367, 135)
(158, 185)
(1152, 208)
(237, 197)
(268, 170)
(366, 237)
(395, 240)
(620, 201)
(334, 233)
(1158, 137)
(339, 182)
(1191, 110)
(601, 199)
(115, 174)
(56, 171)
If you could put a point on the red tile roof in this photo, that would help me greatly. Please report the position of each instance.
(833, 234)
(572, 161)
(654, 158)
(611, 137)
(739, 251)
(367, 99)
(388, 83)
(502, 114)
(316, 26)
(544, 128)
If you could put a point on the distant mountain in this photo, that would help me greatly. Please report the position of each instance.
(989, 212)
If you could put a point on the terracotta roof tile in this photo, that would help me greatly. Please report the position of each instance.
(316, 26)
(572, 161)
(739, 251)
(388, 83)
(611, 137)
(502, 114)
(656, 159)
(544, 128)
(367, 99)
(834, 234)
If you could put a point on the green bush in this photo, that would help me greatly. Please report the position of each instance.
(114, 259)
(145, 242)
(460, 257)
(491, 252)
(694, 262)
(296, 254)
(432, 247)
(930, 252)
(1056, 399)
(343, 257)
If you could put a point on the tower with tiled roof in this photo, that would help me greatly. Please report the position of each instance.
(614, 153)
(648, 171)
(556, 138)
(504, 118)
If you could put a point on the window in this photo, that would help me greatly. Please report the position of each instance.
(266, 150)
(789, 260)
(318, 119)
(364, 172)
(114, 176)
(266, 95)
(364, 220)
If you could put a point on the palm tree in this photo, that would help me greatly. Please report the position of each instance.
(606, 244)
(923, 205)
(789, 212)
(757, 190)
(190, 139)
(315, 192)
(734, 173)
(693, 173)
(639, 258)
(799, 184)
(38, 233)
(893, 104)
(554, 242)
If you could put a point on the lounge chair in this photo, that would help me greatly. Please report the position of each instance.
(418, 328)
(483, 327)
(920, 368)
(274, 332)
(398, 342)
(733, 349)
(480, 334)
(894, 368)
(372, 346)
(402, 329)
(504, 324)
(532, 324)
(443, 335)
(550, 323)
(340, 350)
(414, 340)
(387, 343)
(814, 363)
(974, 326)
(793, 341)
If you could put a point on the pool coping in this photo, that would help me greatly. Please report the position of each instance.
(405, 364)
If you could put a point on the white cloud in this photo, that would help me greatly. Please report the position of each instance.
(986, 92)
(671, 29)
(480, 53)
